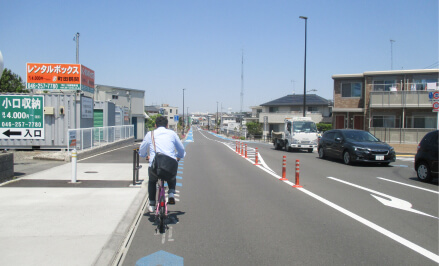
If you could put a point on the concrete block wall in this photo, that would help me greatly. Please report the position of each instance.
(6, 166)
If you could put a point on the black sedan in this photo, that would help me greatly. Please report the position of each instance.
(426, 159)
(355, 146)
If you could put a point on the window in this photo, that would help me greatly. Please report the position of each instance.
(384, 85)
(115, 97)
(383, 121)
(313, 109)
(273, 110)
(289, 126)
(351, 89)
(329, 135)
(421, 121)
(304, 126)
(170, 111)
(424, 84)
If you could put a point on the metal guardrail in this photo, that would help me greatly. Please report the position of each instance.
(89, 138)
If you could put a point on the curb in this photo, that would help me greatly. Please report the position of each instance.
(113, 251)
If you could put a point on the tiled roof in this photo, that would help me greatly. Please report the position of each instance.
(297, 99)
(152, 109)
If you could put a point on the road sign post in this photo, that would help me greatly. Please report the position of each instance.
(434, 97)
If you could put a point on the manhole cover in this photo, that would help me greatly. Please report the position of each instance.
(91, 172)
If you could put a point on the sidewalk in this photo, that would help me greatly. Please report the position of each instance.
(405, 149)
(48, 221)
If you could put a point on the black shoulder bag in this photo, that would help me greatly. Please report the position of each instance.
(163, 165)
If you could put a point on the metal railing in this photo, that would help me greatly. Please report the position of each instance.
(89, 138)
(399, 99)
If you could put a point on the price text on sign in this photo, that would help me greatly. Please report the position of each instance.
(22, 117)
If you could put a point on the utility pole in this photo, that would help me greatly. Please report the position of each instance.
(391, 53)
(76, 38)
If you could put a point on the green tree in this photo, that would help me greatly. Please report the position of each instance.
(11, 82)
(150, 123)
(254, 128)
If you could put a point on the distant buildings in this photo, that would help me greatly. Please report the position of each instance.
(169, 111)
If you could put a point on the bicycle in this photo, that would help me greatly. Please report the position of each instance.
(161, 210)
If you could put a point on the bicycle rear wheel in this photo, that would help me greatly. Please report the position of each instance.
(162, 214)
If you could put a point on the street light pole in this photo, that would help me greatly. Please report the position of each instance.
(304, 75)
(183, 111)
(391, 54)
(76, 38)
(216, 122)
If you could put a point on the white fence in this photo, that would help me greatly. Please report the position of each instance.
(89, 138)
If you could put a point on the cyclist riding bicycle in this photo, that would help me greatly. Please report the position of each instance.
(168, 143)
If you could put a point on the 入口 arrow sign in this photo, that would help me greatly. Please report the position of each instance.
(10, 133)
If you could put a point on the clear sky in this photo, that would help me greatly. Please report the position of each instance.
(163, 46)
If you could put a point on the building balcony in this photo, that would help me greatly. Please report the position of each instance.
(399, 99)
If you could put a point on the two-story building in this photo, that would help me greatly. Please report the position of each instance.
(393, 105)
(272, 114)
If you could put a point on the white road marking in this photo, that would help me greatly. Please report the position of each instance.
(170, 234)
(104, 153)
(391, 201)
(421, 188)
(377, 228)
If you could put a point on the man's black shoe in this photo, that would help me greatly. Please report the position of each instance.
(171, 201)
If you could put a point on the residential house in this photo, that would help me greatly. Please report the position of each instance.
(393, 105)
(273, 113)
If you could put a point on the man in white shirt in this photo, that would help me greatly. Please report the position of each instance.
(168, 143)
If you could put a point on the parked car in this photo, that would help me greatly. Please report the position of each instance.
(426, 159)
(353, 145)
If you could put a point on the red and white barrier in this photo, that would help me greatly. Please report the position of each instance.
(246, 151)
(284, 169)
(297, 185)
(256, 157)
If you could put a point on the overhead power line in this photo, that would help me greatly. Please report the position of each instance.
(432, 65)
